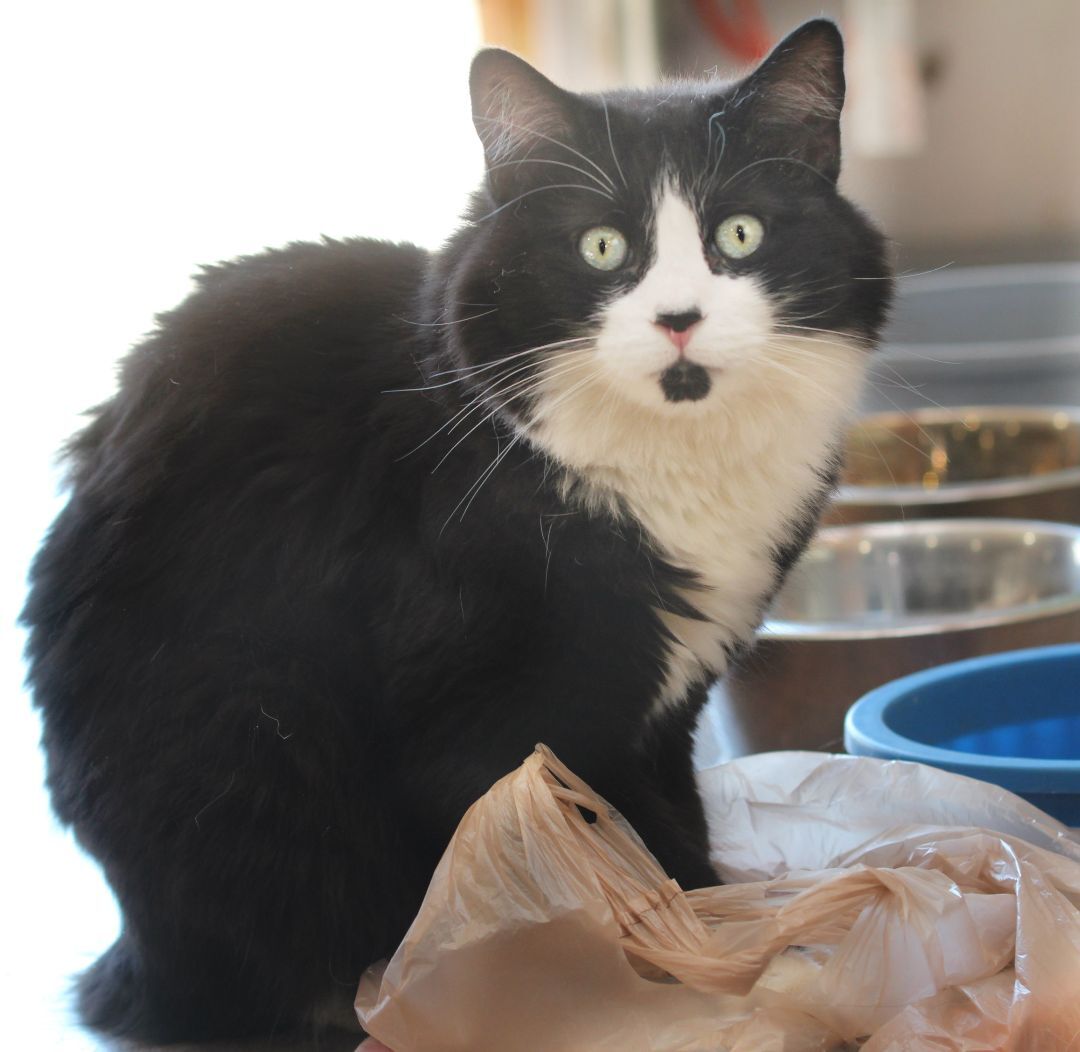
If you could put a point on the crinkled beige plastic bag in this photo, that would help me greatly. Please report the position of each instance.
(879, 905)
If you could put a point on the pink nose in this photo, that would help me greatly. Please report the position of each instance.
(678, 328)
(680, 339)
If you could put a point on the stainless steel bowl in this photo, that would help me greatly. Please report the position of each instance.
(1007, 461)
(869, 603)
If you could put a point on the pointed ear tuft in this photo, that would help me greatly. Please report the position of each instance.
(800, 85)
(515, 108)
(804, 74)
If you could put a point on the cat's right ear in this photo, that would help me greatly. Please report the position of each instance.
(519, 115)
(798, 92)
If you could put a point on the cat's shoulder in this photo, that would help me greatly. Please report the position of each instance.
(262, 337)
(352, 275)
(301, 313)
(327, 258)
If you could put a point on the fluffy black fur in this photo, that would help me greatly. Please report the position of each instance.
(277, 656)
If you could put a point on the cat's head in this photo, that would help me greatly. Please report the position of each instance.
(668, 253)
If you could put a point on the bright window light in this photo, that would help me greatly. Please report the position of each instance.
(154, 137)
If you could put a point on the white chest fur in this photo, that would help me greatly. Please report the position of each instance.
(715, 487)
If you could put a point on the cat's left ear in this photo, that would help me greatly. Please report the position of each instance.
(520, 116)
(798, 92)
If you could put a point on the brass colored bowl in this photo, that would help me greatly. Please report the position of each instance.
(993, 461)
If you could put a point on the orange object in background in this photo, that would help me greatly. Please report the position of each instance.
(743, 33)
(508, 24)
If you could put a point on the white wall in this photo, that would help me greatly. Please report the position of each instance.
(142, 139)
(139, 139)
(146, 138)
(1000, 175)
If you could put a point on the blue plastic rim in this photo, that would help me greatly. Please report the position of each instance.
(1012, 719)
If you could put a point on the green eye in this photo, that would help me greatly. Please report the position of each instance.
(739, 236)
(603, 247)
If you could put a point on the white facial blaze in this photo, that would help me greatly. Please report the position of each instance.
(736, 314)
(715, 483)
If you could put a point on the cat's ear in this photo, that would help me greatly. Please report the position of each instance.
(519, 114)
(798, 92)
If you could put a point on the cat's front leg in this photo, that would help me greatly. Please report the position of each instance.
(650, 782)
(663, 804)
(675, 835)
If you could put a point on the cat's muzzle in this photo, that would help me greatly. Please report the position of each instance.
(685, 382)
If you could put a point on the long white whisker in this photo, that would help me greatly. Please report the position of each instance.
(911, 420)
(802, 378)
(491, 389)
(909, 273)
(603, 413)
(723, 144)
(611, 144)
(497, 389)
(561, 164)
(821, 313)
(536, 383)
(494, 390)
(475, 488)
(441, 324)
(795, 332)
(888, 467)
(811, 288)
(470, 373)
(903, 441)
(929, 358)
(500, 456)
(901, 382)
(547, 138)
(538, 189)
(499, 377)
(509, 357)
(908, 386)
(477, 400)
(815, 356)
(774, 160)
(447, 425)
(573, 390)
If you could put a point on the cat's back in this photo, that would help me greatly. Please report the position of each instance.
(259, 399)
(354, 290)
(270, 352)
(302, 319)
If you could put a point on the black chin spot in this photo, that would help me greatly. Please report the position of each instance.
(685, 382)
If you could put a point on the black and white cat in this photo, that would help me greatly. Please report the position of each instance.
(364, 524)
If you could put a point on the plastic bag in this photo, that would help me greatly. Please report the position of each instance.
(879, 905)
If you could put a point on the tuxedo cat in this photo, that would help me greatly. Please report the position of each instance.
(363, 524)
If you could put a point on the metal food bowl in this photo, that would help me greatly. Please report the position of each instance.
(870, 603)
(1012, 719)
(1012, 462)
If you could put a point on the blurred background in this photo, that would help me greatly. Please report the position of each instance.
(145, 139)
(962, 135)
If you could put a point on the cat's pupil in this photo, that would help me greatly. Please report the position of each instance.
(602, 246)
(740, 232)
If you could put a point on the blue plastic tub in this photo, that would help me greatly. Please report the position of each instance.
(1012, 719)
